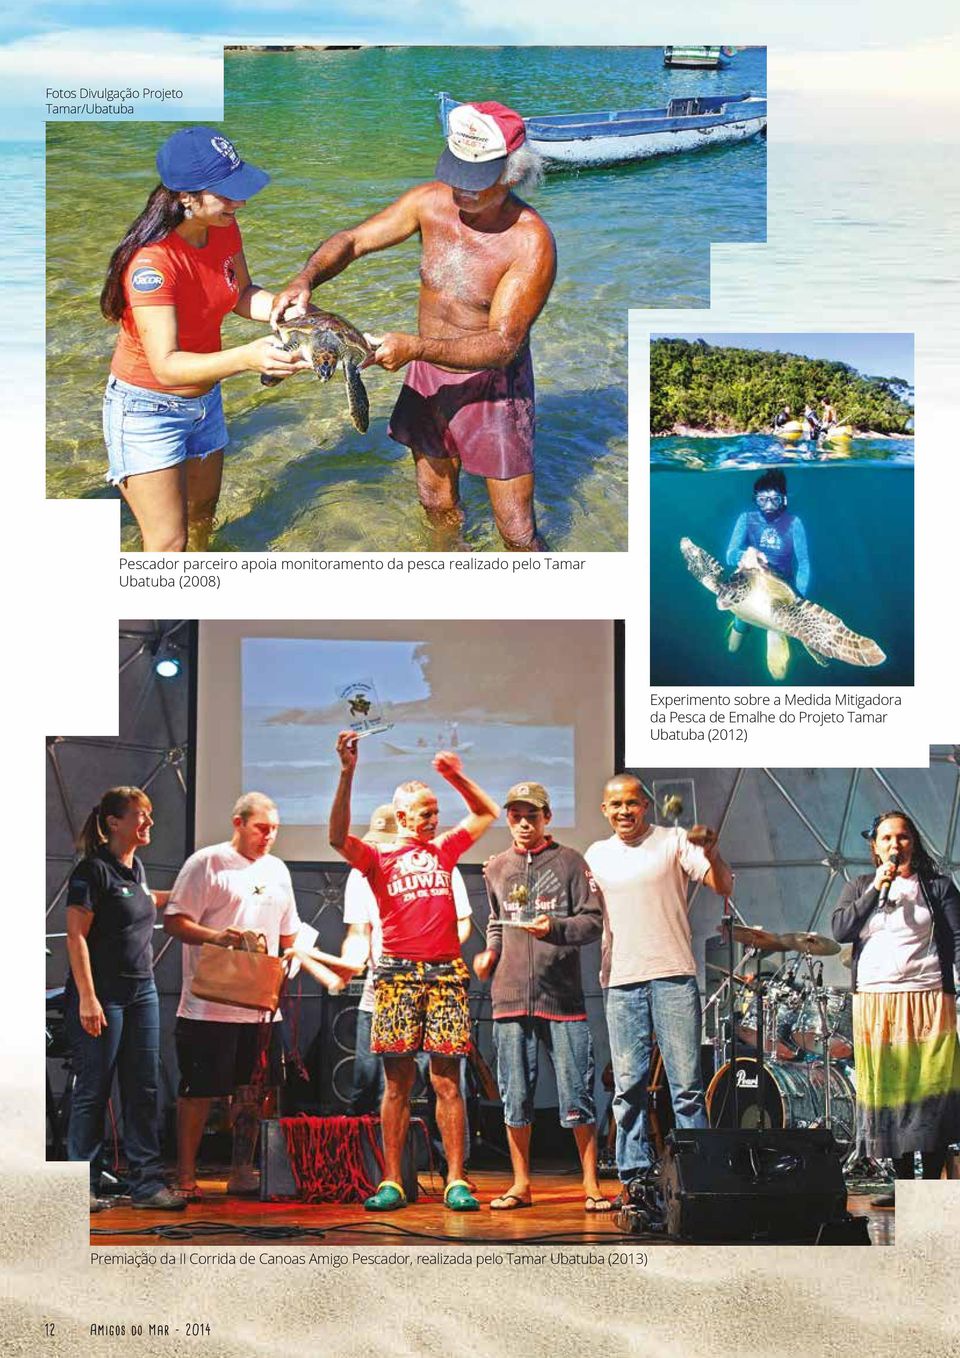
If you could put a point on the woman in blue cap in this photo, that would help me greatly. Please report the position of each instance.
(177, 272)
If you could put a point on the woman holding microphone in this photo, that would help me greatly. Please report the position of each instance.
(903, 921)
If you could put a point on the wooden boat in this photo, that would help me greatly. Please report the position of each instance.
(573, 140)
(427, 749)
(695, 58)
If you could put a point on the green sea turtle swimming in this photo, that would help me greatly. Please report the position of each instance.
(325, 340)
(753, 593)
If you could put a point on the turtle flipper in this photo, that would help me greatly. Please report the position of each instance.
(814, 656)
(701, 565)
(778, 655)
(358, 403)
(825, 633)
(288, 346)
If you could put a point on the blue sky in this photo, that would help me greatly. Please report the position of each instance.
(873, 354)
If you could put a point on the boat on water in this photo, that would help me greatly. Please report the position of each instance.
(610, 137)
(693, 57)
(426, 747)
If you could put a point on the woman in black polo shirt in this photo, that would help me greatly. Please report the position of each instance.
(112, 1009)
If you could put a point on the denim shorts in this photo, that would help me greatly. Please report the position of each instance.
(147, 431)
(570, 1048)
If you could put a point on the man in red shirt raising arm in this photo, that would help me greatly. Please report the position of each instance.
(421, 981)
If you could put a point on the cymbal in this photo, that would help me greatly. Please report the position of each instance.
(753, 936)
(818, 945)
(846, 955)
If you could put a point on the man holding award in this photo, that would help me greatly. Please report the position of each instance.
(420, 983)
(544, 906)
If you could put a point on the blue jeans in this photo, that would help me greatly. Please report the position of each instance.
(570, 1047)
(130, 1047)
(670, 1008)
(367, 1070)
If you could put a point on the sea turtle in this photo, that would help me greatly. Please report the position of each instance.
(325, 339)
(753, 593)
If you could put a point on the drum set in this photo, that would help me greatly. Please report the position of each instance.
(783, 1041)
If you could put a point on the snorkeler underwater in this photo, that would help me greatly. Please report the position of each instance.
(766, 563)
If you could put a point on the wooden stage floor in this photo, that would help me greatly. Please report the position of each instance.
(557, 1218)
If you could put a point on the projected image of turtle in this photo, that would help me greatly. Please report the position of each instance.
(326, 340)
(757, 596)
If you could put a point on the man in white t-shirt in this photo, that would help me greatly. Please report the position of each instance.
(220, 892)
(647, 972)
(359, 913)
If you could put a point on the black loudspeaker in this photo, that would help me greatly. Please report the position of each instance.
(733, 1185)
(276, 1176)
(329, 1058)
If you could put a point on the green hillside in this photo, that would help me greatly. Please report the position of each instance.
(740, 390)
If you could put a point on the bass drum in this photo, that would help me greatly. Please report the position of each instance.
(781, 1096)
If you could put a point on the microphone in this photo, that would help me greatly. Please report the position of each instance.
(885, 886)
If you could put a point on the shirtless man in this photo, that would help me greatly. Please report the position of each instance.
(487, 265)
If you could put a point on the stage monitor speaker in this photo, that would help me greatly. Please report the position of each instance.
(276, 1174)
(734, 1185)
(329, 1058)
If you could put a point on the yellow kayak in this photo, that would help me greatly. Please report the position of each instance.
(837, 432)
(793, 429)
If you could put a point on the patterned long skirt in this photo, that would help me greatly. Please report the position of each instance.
(907, 1060)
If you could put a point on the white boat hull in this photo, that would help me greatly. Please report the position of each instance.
(614, 149)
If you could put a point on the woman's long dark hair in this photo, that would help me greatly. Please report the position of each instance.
(114, 802)
(162, 213)
(921, 862)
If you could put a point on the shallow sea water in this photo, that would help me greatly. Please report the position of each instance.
(324, 124)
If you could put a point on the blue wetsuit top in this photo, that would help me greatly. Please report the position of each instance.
(783, 541)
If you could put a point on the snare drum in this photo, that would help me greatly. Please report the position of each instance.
(808, 1030)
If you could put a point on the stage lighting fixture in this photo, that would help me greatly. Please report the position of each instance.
(166, 660)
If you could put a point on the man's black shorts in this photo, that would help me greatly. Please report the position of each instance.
(215, 1058)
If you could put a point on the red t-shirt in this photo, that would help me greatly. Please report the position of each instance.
(414, 895)
(200, 283)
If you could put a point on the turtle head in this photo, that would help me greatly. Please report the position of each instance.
(701, 565)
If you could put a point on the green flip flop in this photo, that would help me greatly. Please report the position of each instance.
(458, 1198)
(388, 1198)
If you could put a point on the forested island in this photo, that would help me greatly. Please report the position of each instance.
(716, 389)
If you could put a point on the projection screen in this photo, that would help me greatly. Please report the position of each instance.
(518, 701)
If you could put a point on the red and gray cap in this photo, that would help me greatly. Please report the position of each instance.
(479, 139)
(198, 158)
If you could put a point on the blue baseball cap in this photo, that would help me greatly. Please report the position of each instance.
(199, 158)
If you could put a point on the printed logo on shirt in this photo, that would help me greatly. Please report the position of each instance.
(415, 874)
(771, 538)
(146, 279)
(226, 149)
(230, 274)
